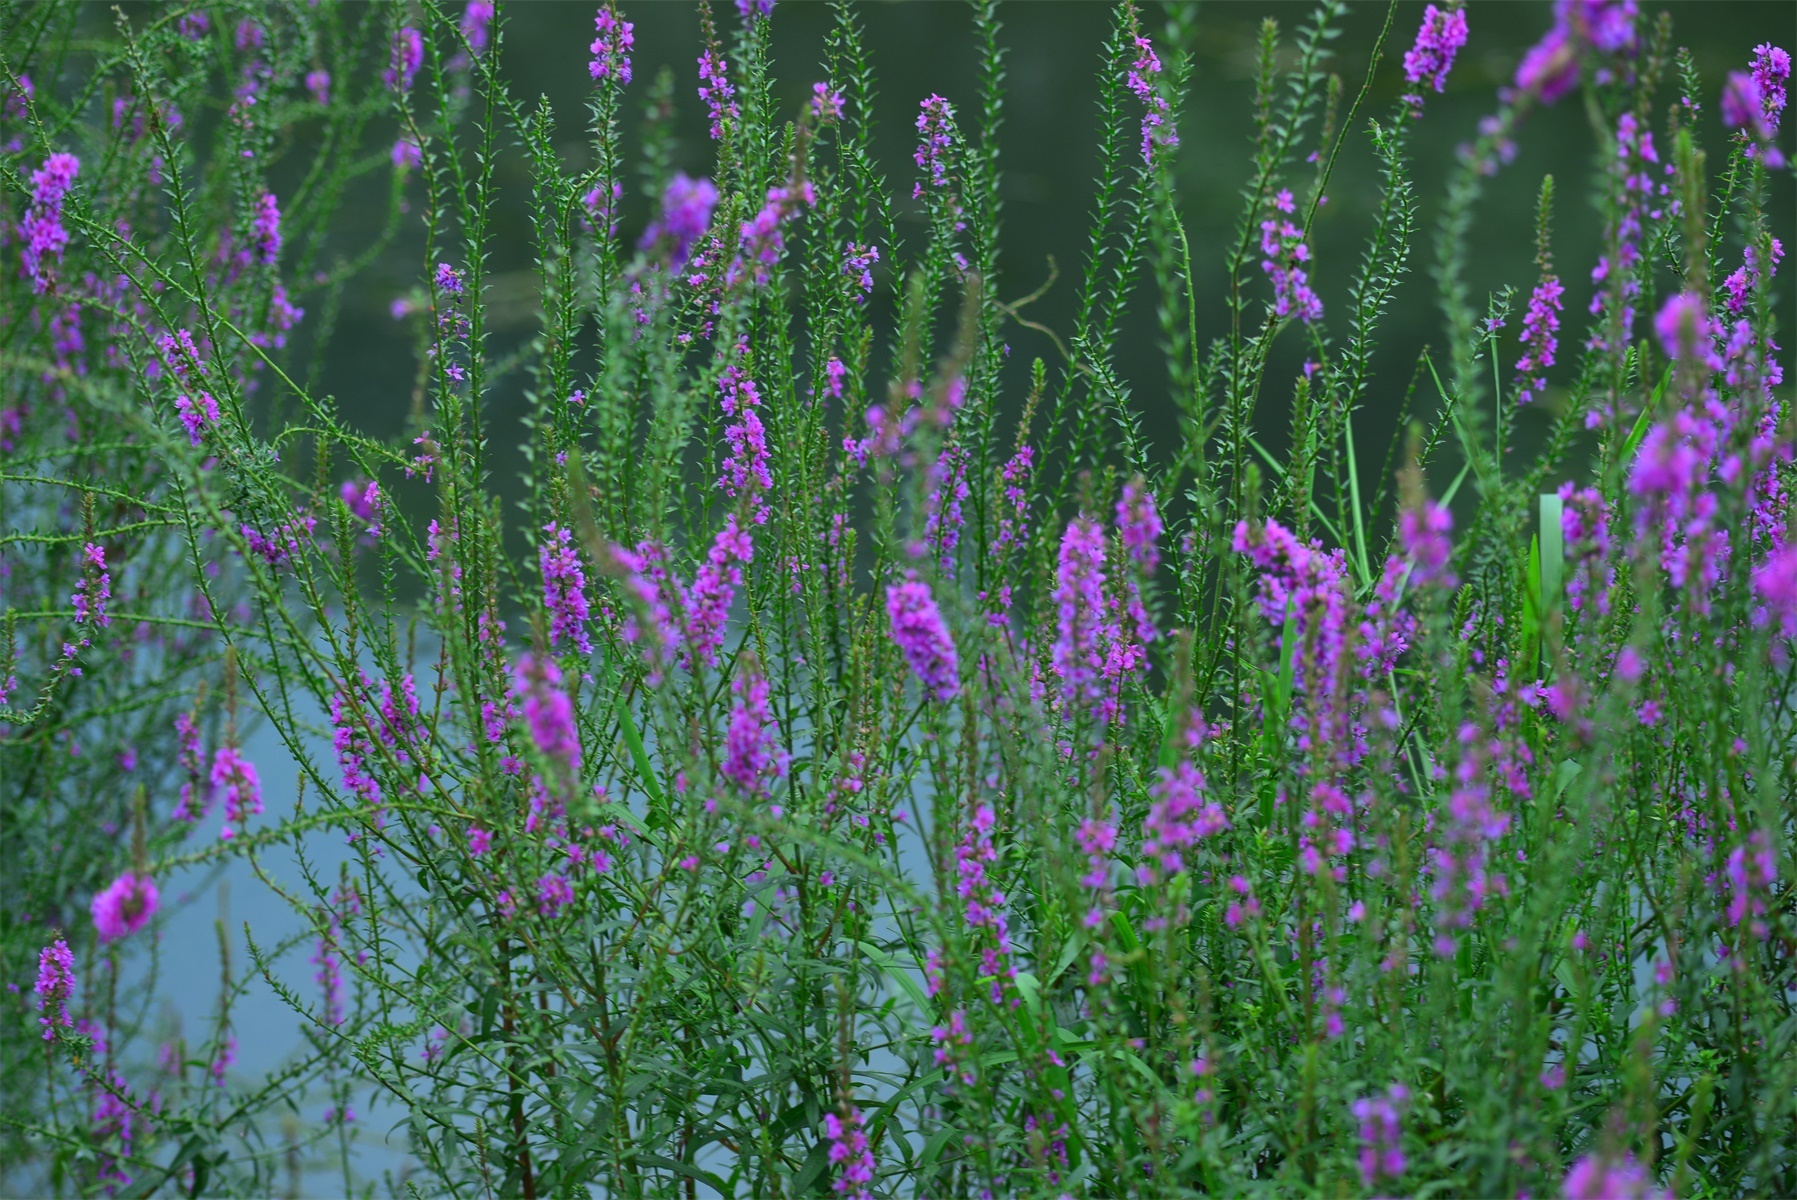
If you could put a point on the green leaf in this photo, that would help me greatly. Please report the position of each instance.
(1531, 601)
(1552, 553)
(894, 971)
(1644, 422)
(1069, 952)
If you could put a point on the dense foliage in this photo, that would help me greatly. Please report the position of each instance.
(832, 767)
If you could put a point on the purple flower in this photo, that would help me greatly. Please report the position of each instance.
(406, 153)
(686, 206)
(354, 744)
(1753, 102)
(125, 906)
(763, 237)
(475, 21)
(1139, 523)
(1608, 25)
(714, 588)
(243, 789)
(715, 89)
(1438, 40)
(1464, 829)
(114, 1124)
(1551, 67)
(945, 514)
(1599, 1177)
(751, 751)
(834, 373)
(1685, 329)
(826, 103)
(953, 1045)
(198, 412)
(850, 1154)
(52, 181)
(649, 619)
(1772, 72)
(976, 884)
(193, 26)
(196, 794)
(1283, 255)
(920, 635)
(1096, 840)
(265, 230)
(94, 588)
(746, 466)
(611, 49)
(1423, 530)
(1776, 583)
(1079, 603)
(1742, 105)
(753, 10)
(1751, 872)
(564, 589)
(280, 547)
(1013, 522)
(55, 987)
(1303, 583)
(227, 1054)
(554, 893)
(1746, 278)
(363, 499)
(600, 213)
(1180, 815)
(1157, 122)
(406, 56)
(1381, 1138)
(857, 264)
(42, 230)
(1540, 338)
(1641, 198)
(936, 125)
(319, 84)
(548, 711)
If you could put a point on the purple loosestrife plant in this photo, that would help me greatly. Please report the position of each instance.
(851, 1159)
(1261, 819)
(611, 49)
(55, 987)
(1440, 37)
(1157, 122)
(918, 631)
(41, 232)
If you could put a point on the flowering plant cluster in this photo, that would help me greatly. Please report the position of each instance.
(840, 762)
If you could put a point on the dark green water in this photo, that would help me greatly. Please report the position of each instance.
(1049, 159)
